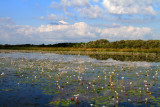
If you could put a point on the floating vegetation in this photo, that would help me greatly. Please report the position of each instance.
(49, 79)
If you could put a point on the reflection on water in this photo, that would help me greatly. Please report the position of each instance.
(143, 57)
(79, 79)
(121, 56)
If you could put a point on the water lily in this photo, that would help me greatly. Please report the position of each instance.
(91, 105)
(130, 85)
(153, 78)
(76, 96)
(102, 88)
(113, 74)
(129, 100)
(146, 99)
(122, 78)
(116, 95)
(2, 74)
(147, 90)
(145, 82)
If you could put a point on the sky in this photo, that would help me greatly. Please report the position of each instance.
(56, 21)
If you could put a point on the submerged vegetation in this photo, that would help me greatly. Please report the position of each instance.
(98, 45)
(49, 79)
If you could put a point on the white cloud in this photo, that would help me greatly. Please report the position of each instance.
(82, 30)
(53, 17)
(77, 32)
(126, 32)
(63, 22)
(55, 5)
(80, 2)
(91, 12)
(49, 17)
(144, 7)
(126, 11)
(12, 34)
(75, 3)
(65, 2)
(96, 0)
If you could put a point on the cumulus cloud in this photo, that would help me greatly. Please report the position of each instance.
(91, 12)
(76, 30)
(144, 7)
(12, 34)
(55, 5)
(123, 11)
(75, 3)
(126, 33)
(83, 7)
(126, 11)
(53, 17)
(63, 22)
(65, 32)
(96, 0)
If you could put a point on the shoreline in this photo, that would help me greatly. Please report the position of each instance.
(101, 50)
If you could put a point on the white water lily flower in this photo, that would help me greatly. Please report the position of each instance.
(2, 74)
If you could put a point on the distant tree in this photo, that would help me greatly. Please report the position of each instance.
(101, 43)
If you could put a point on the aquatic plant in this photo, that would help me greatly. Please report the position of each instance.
(70, 80)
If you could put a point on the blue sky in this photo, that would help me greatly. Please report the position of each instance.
(54, 21)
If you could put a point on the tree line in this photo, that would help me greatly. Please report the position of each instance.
(127, 44)
(101, 43)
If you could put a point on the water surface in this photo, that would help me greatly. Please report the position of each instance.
(63, 79)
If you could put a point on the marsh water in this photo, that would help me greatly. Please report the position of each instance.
(38, 79)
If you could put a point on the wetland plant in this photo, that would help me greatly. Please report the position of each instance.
(62, 80)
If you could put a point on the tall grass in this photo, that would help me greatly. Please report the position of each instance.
(153, 50)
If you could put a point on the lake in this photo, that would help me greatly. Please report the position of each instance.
(82, 79)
